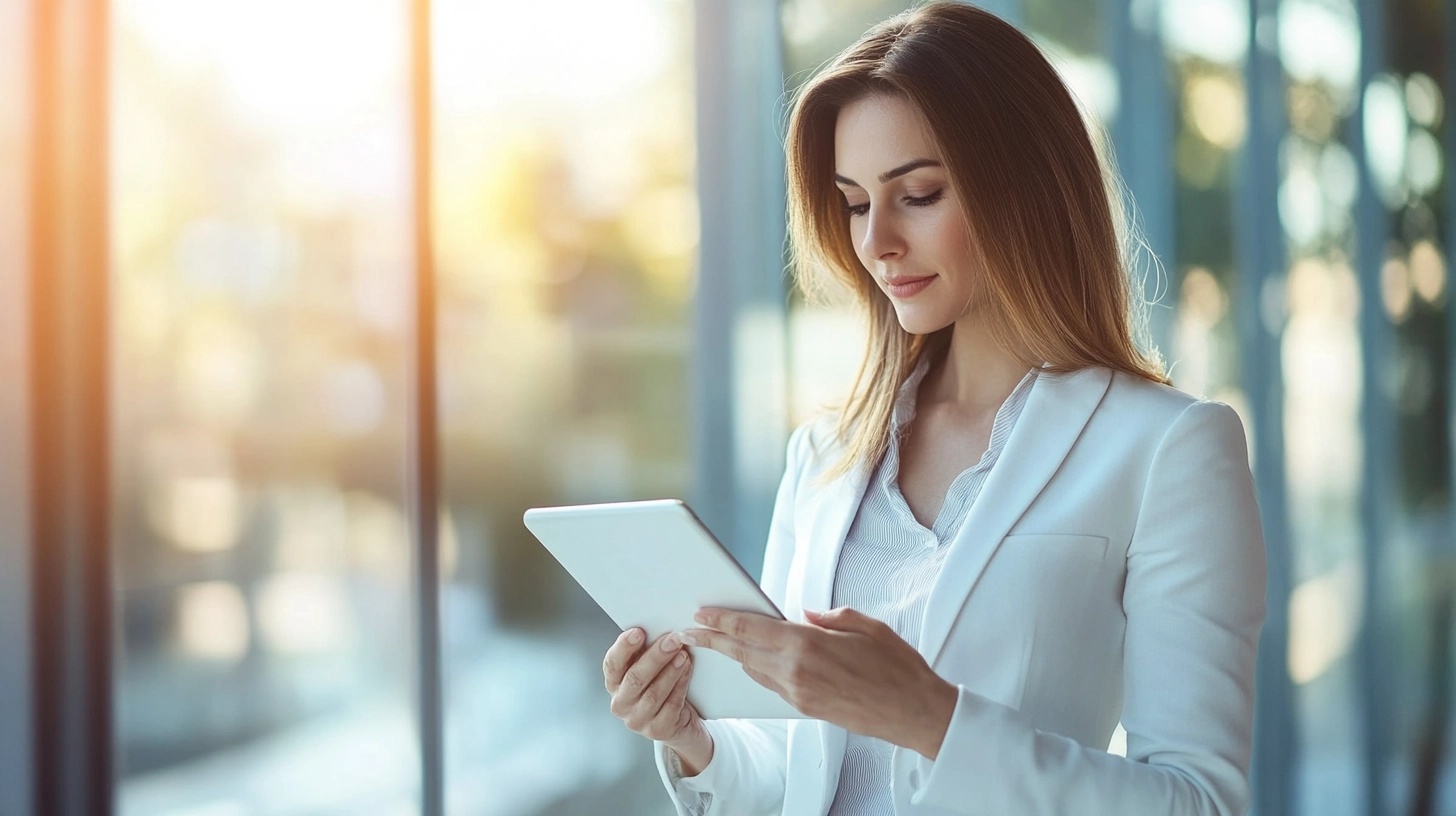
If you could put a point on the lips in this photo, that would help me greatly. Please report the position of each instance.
(904, 286)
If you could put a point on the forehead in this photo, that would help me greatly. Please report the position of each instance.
(877, 133)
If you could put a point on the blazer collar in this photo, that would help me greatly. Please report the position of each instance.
(1056, 411)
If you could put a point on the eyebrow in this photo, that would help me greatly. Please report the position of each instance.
(892, 174)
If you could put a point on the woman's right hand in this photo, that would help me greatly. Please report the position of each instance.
(649, 688)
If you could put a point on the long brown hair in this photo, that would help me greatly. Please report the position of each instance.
(1041, 202)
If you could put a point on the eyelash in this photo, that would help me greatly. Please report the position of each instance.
(861, 209)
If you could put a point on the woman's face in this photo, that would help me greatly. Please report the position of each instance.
(904, 217)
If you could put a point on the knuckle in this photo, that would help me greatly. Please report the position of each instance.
(649, 700)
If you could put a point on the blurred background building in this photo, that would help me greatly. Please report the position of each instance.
(215, 219)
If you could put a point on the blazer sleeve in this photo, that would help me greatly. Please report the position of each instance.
(746, 774)
(1194, 601)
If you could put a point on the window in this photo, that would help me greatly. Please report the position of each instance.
(261, 243)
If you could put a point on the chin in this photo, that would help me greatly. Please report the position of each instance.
(919, 321)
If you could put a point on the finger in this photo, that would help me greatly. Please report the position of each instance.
(650, 704)
(620, 656)
(679, 693)
(726, 645)
(641, 673)
(751, 627)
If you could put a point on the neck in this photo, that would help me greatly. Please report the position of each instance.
(975, 373)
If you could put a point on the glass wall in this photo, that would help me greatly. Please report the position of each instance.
(566, 227)
(261, 251)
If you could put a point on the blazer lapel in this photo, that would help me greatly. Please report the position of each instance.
(1056, 411)
(831, 512)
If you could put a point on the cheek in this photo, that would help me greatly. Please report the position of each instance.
(948, 234)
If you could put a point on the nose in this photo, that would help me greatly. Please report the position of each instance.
(882, 240)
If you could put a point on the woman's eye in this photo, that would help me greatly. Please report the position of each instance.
(924, 201)
(913, 201)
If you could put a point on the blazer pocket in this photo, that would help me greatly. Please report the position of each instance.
(1073, 542)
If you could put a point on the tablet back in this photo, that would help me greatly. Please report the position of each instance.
(653, 564)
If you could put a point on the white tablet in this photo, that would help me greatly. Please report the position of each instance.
(653, 564)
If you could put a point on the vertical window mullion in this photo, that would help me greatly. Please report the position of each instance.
(739, 362)
(423, 448)
(70, 410)
(1379, 476)
(1262, 259)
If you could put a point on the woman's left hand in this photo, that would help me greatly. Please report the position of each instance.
(843, 666)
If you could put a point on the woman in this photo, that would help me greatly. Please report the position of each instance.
(1025, 533)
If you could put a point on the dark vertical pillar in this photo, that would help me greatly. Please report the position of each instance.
(70, 466)
(739, 365)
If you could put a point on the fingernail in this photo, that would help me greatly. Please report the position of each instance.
(701, 617)
(679, 660)
(634, 636)
(670, 642)
(689, 640)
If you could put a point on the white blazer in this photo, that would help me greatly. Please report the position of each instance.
(1112, 569)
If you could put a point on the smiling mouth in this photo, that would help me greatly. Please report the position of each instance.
(904, 287)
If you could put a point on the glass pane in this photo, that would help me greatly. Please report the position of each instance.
(1206, 73)
(1415, 554)
(261, 235)
(566, 232)
(1322, 403)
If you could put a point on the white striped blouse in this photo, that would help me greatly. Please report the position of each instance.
(889, 562)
